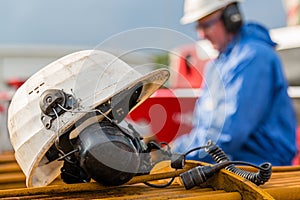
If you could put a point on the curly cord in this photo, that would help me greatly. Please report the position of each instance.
(259, 178)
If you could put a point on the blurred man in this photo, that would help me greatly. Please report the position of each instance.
(245, 107)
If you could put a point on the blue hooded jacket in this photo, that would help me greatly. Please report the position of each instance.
(245, 107)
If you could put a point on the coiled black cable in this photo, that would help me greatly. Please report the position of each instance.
(263, 175)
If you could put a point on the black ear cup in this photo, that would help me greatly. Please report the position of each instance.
(232, 18)
(107, 155)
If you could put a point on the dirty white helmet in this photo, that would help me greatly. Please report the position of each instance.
(82, 81)
(197, 9)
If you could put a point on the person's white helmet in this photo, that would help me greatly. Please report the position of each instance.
(197, 9)
(93, 77)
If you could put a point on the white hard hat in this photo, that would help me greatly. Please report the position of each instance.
(197, 9)
(93, 77)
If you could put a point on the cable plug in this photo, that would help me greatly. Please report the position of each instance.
(177, 161)
(200, 174)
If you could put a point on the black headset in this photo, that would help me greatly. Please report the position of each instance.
(232, 18)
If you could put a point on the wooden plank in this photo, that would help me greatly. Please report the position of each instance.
(7, 157)
(284, 184)
(9, 167)
(12, 177)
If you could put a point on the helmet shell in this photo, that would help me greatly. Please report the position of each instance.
(93, 77)
(198, 9)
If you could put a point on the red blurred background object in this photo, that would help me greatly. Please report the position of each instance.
(168, 113)
(15, 82)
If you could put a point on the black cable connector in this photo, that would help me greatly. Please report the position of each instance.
(200, 174)
(196, 176)
(177, 161)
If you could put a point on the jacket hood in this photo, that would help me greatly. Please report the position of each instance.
(257, 32)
